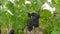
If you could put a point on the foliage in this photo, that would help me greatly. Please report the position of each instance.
(17, 17)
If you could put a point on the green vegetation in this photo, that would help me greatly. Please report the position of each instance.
(13, 14)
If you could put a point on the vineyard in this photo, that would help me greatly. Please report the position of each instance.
(29, 17)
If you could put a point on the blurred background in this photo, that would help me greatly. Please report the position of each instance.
(13, 15)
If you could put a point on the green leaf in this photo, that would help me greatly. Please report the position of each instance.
(57, 1)
(55, 30)
(45, 13)
(57, 6)
(3, 1)
(21, 32)
(53, 2)
(10, 6)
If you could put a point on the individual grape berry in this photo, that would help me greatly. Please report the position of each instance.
(36, 25)
(35, 16)
(30, 28)
(11, 31)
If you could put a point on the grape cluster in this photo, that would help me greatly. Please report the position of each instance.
(33, 21)
(11, 31)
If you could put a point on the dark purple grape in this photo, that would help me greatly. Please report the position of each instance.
(33, 21)
(36, 25)
(29, 25)
(30, 28)
(35, 18)
(11, 31)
